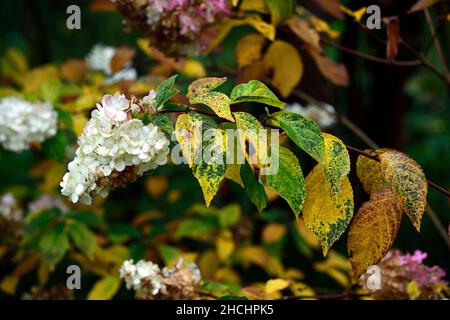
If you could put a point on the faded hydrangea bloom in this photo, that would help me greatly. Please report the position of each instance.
(23, 123)
(46, 202)
(9, 208)
(324, 115)
(176, 27)
(99, 59)
(150, 283)
(400, 271)
(114, 149)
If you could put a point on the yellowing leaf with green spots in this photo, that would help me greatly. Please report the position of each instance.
(369, 173)
(408, 183)
(285, 65)
(217, 101)
(326, 217)
(288, 180)
(204, 151)
(105, 288)
(336, 163)
(255, 91)
(304, 132)
(204, 85)
(373, 230)
(252, 139)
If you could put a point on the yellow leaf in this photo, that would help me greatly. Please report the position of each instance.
(337, 267)
(33, 78)
(309, 237)
(254, 6)
(105, 288)
(156, 185)
(285, 64)
(273, 232)
(79, 121)
(275, 285)
(14, 64)
(369, 173)
(266, 29)
(233, 173)
(325, 217)
(9, 283)
(408, 183)
(194, 69)
(322, 26)
(208, 264)
(373, 230)
(225, 245)
(248, 49)
(43, 272)
(357, 15)
(217, 102)
(413, 290)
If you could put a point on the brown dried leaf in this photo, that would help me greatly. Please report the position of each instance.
(393, 35)
(373, 230)
(335, 72)
(422, 4)
(73, 70)
(122, 57)
(332, 7)
(303, 30)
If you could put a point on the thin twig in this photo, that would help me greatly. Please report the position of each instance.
(437, 44)
(366, 56)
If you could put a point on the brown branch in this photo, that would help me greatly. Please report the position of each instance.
(369, 57)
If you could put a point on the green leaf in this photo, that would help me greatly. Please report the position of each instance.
(229, 215)
(50, 90)
(288, 181)
(204, 85)
(253, 188)
(54, 244)
(39, 220)
(304, 132)
(89, 218)
(83, 238)
(55, 147)
(255, 91)
(162, 121)
(280, 10)
(169, 254)
(121, 232)
(65, 118)
(193, 228)
(217, 101)
(165, 91)
(105, 288)
(190, 128)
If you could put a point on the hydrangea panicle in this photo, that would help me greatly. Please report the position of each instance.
(114, 149)
(23, 123)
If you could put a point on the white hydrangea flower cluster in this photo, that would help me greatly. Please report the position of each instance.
(324, 115)
(114, 149)
(149, 282)
(23, 123)
(9, 209)
(135, 274)
(99, 59)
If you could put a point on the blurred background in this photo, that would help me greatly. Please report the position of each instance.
(401, 107)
